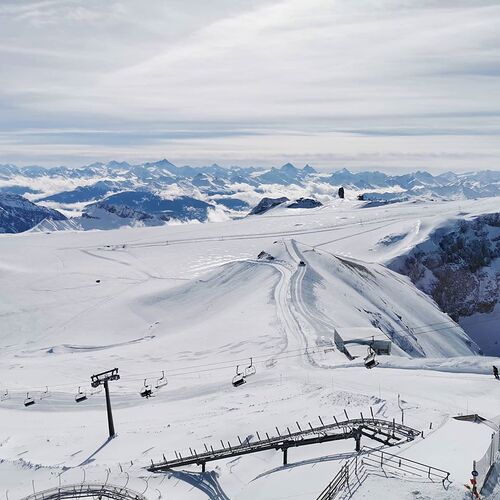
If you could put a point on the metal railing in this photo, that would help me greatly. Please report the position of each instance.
(340, 481)
(88, 490)
(484, 465)
(354, 471)
(382, 459)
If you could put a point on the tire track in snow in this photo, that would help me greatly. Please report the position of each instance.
(307, 322)
(261, 235)
(285, 315)
(289, 303)
(315, 324)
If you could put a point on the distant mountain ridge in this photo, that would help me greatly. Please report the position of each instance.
(188, 193)
(163, 172)
(18, 214)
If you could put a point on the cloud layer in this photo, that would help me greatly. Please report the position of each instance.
(368, 83)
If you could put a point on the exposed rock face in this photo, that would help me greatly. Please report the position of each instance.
(121, 211)
(263, 255)
(266, 204)
(305, 203)
(17, 214)
(459, 266)
(144, 205)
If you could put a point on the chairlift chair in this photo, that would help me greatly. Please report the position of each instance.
(28, 401)
(162, 381)
(239, 378)
(250, 369)
(97, 390)
(370, 360)
(80, 396)
(146, 391)
(45, 393)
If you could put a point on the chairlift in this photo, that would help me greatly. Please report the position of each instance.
(162, 381)
(4, 395)
(28, 401)
(239, 378)
(45, 393)
(80, 396)
(98, 390)
(146, 391)
(370, 360)
(250, 369)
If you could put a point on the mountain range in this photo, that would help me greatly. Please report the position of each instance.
(93, 196)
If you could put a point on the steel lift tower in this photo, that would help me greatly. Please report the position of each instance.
(103, 379)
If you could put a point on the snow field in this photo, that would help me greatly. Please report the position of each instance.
(194, 301)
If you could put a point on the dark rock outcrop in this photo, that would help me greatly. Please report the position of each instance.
(266, 204)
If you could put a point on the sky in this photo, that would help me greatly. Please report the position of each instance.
(386, 84)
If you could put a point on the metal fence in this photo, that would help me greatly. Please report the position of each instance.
(354, 471)
(484, 465)
(341, 480)
(88, 490)
(381, 459)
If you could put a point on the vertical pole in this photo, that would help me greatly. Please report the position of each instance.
(285, 456)
(492, 450)
(357, 437)
(111, 426)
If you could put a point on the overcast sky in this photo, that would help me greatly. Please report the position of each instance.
(386, 84)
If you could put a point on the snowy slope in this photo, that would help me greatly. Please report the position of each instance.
(356, 294)
(194, 301)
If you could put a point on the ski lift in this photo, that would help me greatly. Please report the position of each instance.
(98, 390)
(4, 395)
(370, 360)
(162, 381)
(80, 396)
(28, 401)
(250, 369)
(239, 378)
(146, 391)
(45, 393)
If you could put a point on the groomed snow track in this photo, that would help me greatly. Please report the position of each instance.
(87, 491)
(386, 432)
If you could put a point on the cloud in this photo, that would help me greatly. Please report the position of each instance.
(371, 81)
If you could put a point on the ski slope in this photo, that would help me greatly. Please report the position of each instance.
(194, 301)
